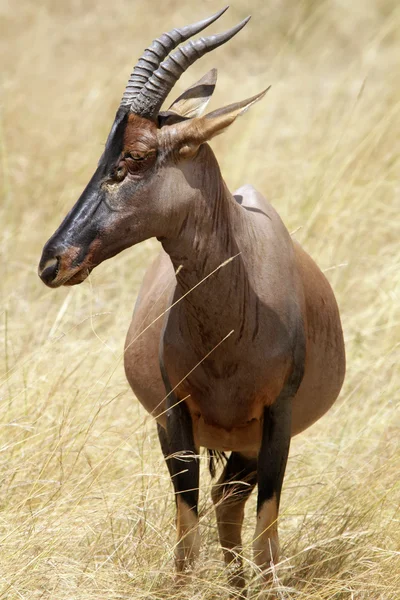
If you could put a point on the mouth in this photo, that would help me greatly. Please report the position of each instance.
(72, 277)
(77, 277)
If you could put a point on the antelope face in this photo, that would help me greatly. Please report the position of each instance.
(114, 212)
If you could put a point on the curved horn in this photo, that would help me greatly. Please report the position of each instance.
(155, 54)
(148, 101)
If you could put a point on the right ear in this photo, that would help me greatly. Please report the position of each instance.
(187, 136)
(193, 102)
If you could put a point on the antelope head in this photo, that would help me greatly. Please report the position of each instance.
(141, 187)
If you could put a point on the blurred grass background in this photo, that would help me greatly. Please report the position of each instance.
(86, 507)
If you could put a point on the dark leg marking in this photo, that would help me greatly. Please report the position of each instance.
(272, 460)
(178, 446)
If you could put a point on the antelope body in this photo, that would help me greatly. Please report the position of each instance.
(235, 343)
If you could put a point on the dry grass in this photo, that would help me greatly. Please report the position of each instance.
(86, 509)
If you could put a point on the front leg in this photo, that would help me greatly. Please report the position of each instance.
(272, 460)
(180, 453)
(229, 495)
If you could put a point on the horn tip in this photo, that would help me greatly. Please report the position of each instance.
(219, 13)
(261, 95)
(242, 24)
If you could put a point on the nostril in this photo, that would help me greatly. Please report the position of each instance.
(50, 270)
(51, 263)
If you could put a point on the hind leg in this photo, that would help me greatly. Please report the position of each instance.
(229, 495)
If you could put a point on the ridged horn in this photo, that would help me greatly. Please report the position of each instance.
(148, 101)
(158, 51)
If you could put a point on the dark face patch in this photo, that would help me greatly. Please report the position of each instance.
(115, 141)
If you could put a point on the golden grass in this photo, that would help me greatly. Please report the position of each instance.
(86, 507)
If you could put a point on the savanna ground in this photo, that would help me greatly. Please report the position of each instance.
(86, 506)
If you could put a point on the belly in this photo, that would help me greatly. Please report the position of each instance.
(245, 439)
(325, 354)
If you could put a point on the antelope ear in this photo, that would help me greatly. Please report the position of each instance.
(193, 102)
(191, 134)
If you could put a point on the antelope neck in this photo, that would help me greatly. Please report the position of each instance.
(206, 239)
(206, 235)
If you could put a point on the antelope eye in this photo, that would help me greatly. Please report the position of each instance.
(137, 155)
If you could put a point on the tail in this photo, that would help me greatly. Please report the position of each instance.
(215, 457)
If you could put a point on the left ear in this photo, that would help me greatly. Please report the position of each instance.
(193, 102)
(189, 135)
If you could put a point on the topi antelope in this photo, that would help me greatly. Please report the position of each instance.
(235, 342)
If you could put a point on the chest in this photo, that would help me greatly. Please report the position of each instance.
(228, 386)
